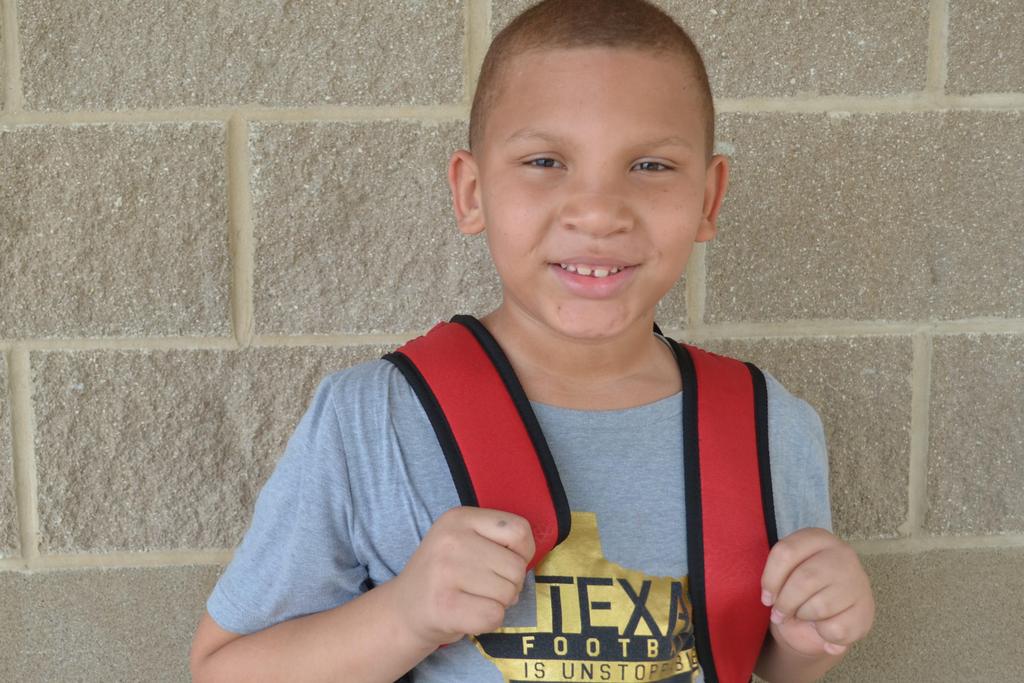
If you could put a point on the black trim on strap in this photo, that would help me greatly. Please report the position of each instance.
(443, 430)
(763, 459)
(657, 330)
(522, 403)
(694, 513)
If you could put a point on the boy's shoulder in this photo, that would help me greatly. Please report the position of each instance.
(366, 387)
(364, 376)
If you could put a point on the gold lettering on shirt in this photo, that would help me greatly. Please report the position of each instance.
(597, 621)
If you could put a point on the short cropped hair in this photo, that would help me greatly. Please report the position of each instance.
(554, 24)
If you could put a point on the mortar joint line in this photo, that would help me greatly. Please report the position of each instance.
(467, 48)
(938, 47)
(335, 340)
(928, 543)
(198, 343)
(220, 114)
(922, 102)
(920, 404)
(478, 18)
(19, 380)
(12, 87)
(241, 239)
(120, 559)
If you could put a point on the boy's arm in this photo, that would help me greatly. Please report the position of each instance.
(365, 640)
(469, 568)
(821, 604)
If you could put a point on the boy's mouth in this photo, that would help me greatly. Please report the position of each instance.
(594, 280)
(592, 270)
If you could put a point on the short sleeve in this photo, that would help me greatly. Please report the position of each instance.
(296, 558)
(799, 462)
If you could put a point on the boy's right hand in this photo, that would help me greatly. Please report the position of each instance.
(468, 570)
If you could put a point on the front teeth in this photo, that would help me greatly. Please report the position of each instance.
(587, 270)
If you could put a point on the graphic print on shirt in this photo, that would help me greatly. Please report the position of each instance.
(597, 621)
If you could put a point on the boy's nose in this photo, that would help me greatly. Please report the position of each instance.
(596, 213)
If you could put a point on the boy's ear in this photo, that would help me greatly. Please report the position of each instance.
(464, 181)
(716, 179)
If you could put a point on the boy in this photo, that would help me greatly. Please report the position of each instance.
(591, 174)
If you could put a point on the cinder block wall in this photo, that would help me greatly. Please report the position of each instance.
(207, 206)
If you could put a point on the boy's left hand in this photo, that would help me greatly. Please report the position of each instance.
(819, 593)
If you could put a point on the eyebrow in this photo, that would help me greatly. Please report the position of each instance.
(527, 133)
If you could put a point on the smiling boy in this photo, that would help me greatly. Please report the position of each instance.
(591, 175)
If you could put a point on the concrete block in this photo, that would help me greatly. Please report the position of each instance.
(986, 46)
(100, 624)
(9, 543)
(869, 217)
(159, 450)
(355, 231)
(153, 54)
(861, 388)
(113, 230)
(976, 440)
(796, 48)
(945, 615)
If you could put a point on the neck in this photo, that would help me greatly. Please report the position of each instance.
(629, 369)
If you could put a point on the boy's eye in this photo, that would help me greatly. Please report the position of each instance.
(654, 163)
(545, 162)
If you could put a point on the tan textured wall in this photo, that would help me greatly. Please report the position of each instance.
(206, 206)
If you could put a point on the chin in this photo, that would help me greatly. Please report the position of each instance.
(591, 327)
(587, 334)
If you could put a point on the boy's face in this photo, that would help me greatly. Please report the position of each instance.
(593, 161)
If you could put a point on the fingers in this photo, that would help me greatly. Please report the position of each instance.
(491, 541)
(845, 628)
(815, 578)
(505, 529)
(469, 568)
(508, 547)
(824, 604)
(787, 555)
(810, 594)
(503, 588)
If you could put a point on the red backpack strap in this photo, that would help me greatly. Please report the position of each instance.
(729, 509)
(488, 432)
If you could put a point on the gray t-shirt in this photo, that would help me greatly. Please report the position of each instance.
(363, 479)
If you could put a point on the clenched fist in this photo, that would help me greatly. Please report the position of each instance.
(820, 596)
(468, 570)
